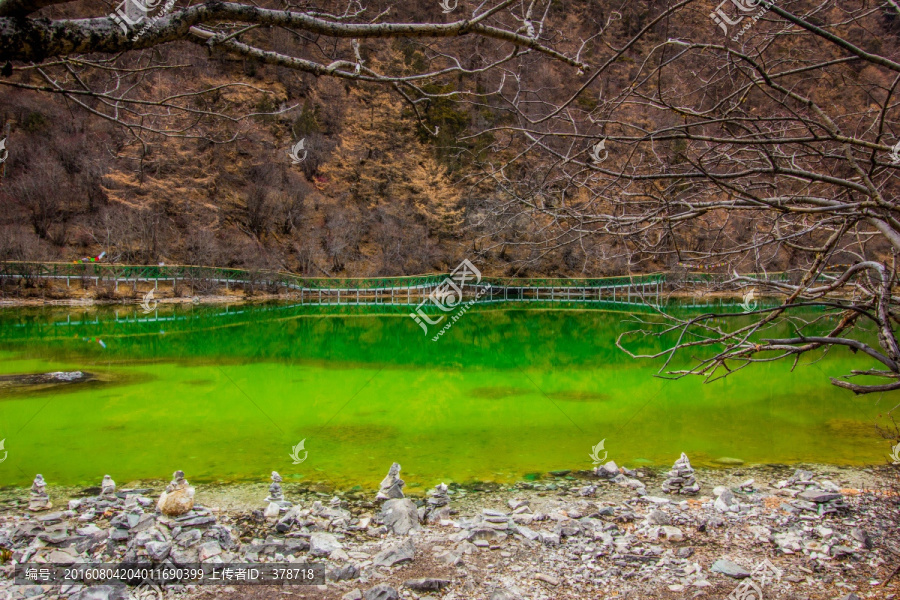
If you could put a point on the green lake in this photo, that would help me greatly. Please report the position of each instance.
(224, 393)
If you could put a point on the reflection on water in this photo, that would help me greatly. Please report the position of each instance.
(224, 393)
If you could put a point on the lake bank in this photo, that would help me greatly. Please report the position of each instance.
(560, 538)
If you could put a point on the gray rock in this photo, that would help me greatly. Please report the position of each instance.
(391, 485)
(818, 496)
(354, 594)
(323, 544)
(346, 572)
(381, 592)
(607, 471)
(450, 558)
(107, 487)
(118, 535)
(427, 584)
(549, 539)
(726, 502)
(850, 596)
(861, 536)
(439, 496)
(198, 521)
(492, 536)
(188, 538)
(39, 500)
(51, 517)
(144, 522)
(658, 517)
(400, 515)
(681, 479)
(158, 551)
(404, 552)
(184, 556)
(101, 592)
(209, 549)
(726, 567)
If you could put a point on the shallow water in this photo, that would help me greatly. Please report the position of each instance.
(225, 393)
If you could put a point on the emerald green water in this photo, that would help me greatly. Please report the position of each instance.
(225, 393)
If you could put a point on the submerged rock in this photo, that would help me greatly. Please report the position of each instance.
(178, 498)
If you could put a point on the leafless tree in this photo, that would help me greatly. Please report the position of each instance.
(108, 64)
(771, 149)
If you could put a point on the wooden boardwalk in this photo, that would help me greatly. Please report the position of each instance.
(400, 291)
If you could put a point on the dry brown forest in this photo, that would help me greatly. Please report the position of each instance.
(379, 193)
(534, 137)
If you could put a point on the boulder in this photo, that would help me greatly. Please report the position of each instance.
(400, 515)
(158, 551)
(346, 572)
(178, 499)
(404, 552)
(427, 584)
(726, 567)
(381, 592)
(323, 544)
(391, 485)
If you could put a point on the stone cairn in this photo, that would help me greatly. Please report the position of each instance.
(681, 478)
(392, 485)
(178, 498)
(276, 500)
(107, 488)
(40, 500)
(437, 502)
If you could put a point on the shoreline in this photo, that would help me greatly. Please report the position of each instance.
(611, 534)
(212, 299)
(243, 494)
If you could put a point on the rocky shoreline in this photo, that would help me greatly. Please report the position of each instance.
(801, 532)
